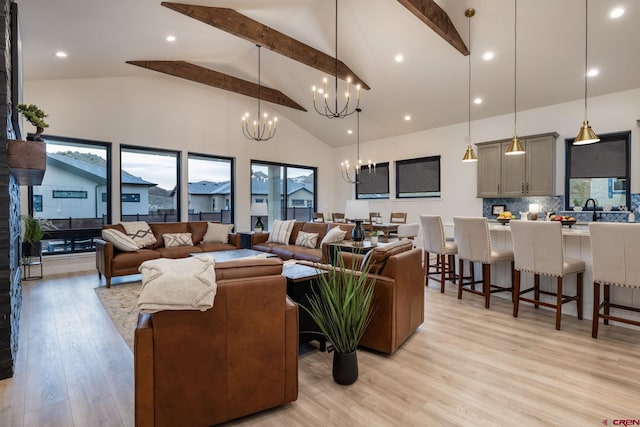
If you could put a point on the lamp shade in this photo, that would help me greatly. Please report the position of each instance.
(259, 209)
(357, 209)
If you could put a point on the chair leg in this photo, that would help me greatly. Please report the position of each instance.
(579, 280)
(461, 276)
(472, 273)
(486, 283)
(514, 296)
(426, 268)
(536, 289)
(452, 268)
(443, 272)
(559, 304)
(516, 292)
(607, 301)
(596, 309)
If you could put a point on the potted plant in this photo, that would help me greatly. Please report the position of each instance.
(28, 160)
(341, 307)
(35, 116)
(33, 234)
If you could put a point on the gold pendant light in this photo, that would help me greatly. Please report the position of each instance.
(585, 135)
(469, 155)
(515, 147)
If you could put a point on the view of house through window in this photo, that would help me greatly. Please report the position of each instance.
(210, 188)
(288, 191)
(73, 200)
(149, 185)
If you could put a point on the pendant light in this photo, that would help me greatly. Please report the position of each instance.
(585, 135)
(263, 129)
(469, 154)
(515, 147)
(352, 173)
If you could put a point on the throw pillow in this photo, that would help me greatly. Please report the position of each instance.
(173, 240)
(336, 234)
(217, 233)
(120, 240)
(307, 240)
(281, 231)
(140, 232)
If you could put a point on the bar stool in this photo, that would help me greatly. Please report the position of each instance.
(538, 248)
(435, 243)
(614, 248)
(474, 245)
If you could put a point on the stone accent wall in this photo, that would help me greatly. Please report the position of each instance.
(10, 226)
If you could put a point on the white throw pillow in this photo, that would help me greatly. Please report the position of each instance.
(307, 240)
(173, 240)
(217, 233)
(120, 240)
(140, 232)
(281, 231)
(336, 234)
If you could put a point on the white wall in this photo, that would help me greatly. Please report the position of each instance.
(170, 113)
(609, 113)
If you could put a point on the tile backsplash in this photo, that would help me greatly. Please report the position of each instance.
(556, 205)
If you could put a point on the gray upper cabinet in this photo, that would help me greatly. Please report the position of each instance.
(529, 174)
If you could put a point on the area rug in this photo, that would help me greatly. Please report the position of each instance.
(121, 302)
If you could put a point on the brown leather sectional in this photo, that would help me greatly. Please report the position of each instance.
(197, 368)
(111, 262)
(291, 251)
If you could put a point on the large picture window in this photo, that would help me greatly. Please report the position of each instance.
(73, 200)
(211, 188)
(599, 171)
(288, 190)
(375, 183)
(152, 175)
(418, 177)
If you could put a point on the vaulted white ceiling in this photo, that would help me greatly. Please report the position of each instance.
(430, 84)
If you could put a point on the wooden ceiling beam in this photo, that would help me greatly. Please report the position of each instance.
(244, 27)
(196, 73)
(438, 20)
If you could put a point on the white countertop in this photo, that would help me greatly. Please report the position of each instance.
(577, 229)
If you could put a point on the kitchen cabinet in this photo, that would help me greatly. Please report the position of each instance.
(529, 174)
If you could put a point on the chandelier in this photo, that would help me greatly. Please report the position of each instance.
(262, 129)
(352, 173)
(325, 109)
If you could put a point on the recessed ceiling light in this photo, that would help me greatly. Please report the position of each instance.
(399, 58)
(616, 12)
(407, 118)
(61, 54)
(349, 131)
(593, 72)
(170, 38)
(487, 56)
(477, 101)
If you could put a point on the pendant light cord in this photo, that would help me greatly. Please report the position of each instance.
(586, 34)
(259, 84)
(515, 66)
(336, 40)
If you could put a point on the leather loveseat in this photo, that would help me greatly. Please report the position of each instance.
(292, 251)
(112, 262)
(196, 368)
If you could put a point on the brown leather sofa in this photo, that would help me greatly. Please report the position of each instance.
(111, 262)
(291, 251)
(197, 368)
(398, 301)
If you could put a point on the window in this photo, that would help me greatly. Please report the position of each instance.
(130, 197)
(376, 184)
(288, 190)
(599, 171)
(211, 188)
(152, 174)
(418, 177)
(73, 200)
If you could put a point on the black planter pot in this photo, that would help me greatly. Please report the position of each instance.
(345, 368)
(31, 249)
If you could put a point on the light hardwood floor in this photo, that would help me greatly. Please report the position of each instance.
(464, 366)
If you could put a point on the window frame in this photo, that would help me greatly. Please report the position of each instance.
(383, 165)
(232, 178)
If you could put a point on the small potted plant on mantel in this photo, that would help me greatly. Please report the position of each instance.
(28, 159)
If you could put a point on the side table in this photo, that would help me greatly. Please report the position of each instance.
(349, 246)
(246, 239)
(29, 262)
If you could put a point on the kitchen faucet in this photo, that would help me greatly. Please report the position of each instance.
(595, 205)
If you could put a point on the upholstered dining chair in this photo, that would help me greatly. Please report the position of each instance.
(435, 243)
(318, 217)
(614, 248)
(398, 218)
(408, 231)
(474, 245)
(338, 217)
(538, 248)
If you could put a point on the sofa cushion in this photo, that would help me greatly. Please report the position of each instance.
(140, 232)
(307, 240)
(294, 232)
(173, 240)
(281, 231)
(178, 252)
(283, 251)
(307, 254)
(315, 227)
(377, 257)
(120, 240)
(217, 233)
(126, 260)
(335, 234)
(197, 230)
(160, 228)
